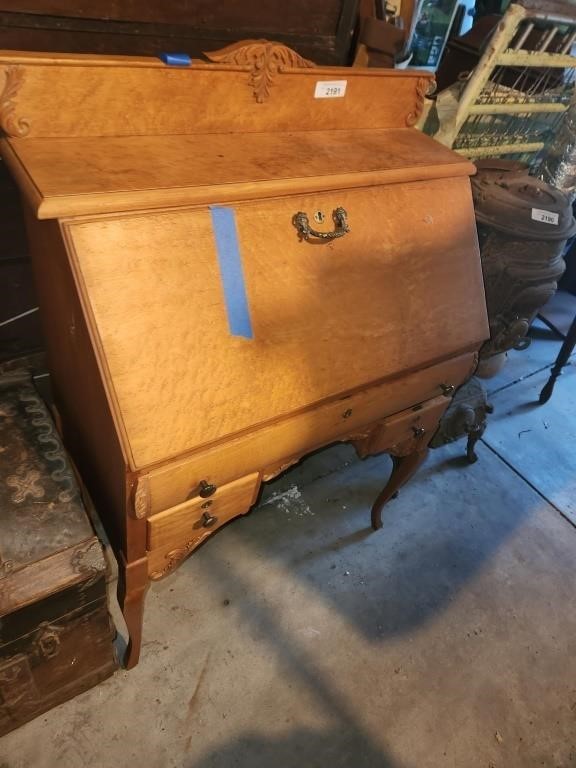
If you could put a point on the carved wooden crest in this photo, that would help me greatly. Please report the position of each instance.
(425, 86)
(264, 59)
(11, 125)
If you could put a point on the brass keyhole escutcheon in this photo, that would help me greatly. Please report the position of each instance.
(319, 217)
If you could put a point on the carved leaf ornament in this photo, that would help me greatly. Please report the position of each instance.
(263, 58)
(425, 86)
(12, 126)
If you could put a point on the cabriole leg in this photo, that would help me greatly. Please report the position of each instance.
(404, 468)
(133, 584)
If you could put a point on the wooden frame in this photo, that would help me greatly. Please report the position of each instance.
(484, 98)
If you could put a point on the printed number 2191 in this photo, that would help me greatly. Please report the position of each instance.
(330, 89)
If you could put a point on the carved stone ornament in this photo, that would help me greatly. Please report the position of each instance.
(522, 255)
(12, 126)
(520, 276)
(425, 86)
(264, 59)
(466, 416)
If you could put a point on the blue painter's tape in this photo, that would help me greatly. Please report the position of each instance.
(176, 59)
(231, 274)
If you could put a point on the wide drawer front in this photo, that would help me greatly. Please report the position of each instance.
(264, 450)
(173, 534)
(176, 532)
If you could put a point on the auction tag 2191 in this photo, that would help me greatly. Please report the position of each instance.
(330, 89)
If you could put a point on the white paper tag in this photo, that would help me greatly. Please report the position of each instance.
(548, 217)
(330, 89)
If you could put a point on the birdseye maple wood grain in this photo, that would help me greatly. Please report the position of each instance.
(171, 419)
(181, 346)
(275, 446)
(95, 175)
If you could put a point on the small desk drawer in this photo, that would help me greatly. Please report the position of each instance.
(404, 432)
(174, 533)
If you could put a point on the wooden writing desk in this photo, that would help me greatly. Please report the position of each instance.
(170, 206)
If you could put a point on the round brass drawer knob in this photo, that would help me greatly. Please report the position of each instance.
(208, 520)
(418, 431)
(206, 489)
(447, 389)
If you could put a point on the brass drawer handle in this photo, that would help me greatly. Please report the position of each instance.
(447, 389)
(305, 231)
(418, 431)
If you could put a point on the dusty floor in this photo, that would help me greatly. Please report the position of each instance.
(299, 638)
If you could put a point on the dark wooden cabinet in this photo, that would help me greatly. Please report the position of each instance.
(321, 31)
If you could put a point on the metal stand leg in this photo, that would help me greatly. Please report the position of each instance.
(565, 351)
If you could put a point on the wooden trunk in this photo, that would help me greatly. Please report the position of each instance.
(55, 632)
(238, 263)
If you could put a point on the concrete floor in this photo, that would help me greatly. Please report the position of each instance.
(298, 638)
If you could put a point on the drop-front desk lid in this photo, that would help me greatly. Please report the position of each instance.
(96, 134)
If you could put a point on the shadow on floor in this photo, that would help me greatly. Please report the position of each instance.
(336, 748)
(346, 744)
(437, 535)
